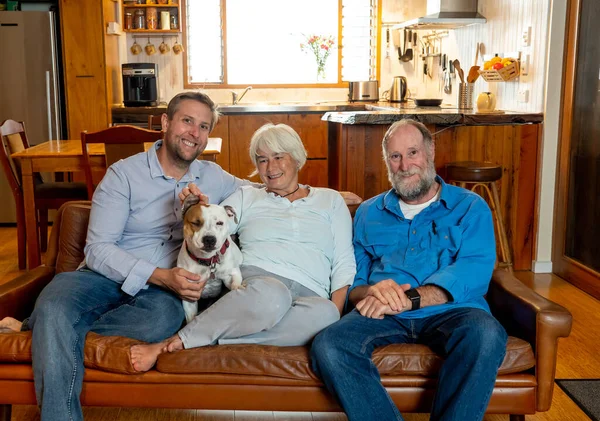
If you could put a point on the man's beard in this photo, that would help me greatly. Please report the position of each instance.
(413, 190)
(178, 155)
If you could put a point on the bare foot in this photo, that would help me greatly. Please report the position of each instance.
(143, 357)
(174, 344)
(9, 324)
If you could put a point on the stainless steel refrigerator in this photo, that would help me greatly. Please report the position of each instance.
(30, 83)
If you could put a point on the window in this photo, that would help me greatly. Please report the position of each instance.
(280, 42)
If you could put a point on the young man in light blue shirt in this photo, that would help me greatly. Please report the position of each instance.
(129, 285)
(425, 252)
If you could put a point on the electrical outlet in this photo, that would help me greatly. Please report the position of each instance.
(523, 95)
(525, 65)
(526, 37)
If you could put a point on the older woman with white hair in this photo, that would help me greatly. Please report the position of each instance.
(296, 241)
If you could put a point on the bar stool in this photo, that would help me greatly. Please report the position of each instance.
(483, 176)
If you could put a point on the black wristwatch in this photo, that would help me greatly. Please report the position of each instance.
(415, 298)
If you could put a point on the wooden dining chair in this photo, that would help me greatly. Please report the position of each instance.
(155, 122)
(48, 195)
(119, 142)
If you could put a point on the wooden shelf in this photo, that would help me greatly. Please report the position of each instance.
(156, 31)
(136, 6)
(172, 8)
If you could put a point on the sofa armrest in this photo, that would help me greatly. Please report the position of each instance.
(529, 316)
(18, 296)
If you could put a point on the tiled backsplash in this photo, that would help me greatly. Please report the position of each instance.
(501, 34)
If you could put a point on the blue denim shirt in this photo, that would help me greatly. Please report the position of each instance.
(450, 244)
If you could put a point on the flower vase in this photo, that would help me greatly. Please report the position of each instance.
(320, 74)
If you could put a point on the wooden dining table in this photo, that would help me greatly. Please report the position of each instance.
(65, 156)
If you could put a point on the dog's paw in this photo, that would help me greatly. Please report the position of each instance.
(237, 286)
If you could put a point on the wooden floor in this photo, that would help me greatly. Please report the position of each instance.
(578, 359)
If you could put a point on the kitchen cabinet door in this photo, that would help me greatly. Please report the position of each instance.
(90, 60)
(222, 130)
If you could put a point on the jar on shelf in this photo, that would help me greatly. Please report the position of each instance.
(164, 20)
(151, 18)
(174, 24)
(128, 23)
(139, 19)
(163, 1)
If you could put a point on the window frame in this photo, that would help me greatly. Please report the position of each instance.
(216, 85)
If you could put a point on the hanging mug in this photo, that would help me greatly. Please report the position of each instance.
(150, 48)
(164, 48)
(177, 48)
(136, 48)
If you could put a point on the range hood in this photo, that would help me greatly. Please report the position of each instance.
(446, 14)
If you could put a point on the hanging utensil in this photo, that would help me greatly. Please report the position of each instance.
(408, 53)
(415, 45)
(461, 73)
(387, 43)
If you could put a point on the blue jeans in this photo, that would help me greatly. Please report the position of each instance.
(70, 306)
(471, 341)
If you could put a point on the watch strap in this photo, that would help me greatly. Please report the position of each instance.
(414, 297)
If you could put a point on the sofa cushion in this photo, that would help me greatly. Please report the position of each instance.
(293, 362)
(111, 353)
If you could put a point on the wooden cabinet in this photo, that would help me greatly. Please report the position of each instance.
(311, 129)
(90, 63)
(145, 18)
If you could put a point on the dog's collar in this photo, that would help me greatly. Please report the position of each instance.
(211, 261)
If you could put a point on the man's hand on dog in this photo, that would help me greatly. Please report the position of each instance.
(193, 189)
(185, 284)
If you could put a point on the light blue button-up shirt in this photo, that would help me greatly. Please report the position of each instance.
(135, 223)
(449, 244)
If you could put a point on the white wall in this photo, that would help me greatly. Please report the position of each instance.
(552, 110)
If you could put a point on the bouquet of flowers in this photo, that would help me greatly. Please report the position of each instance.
(321, 46)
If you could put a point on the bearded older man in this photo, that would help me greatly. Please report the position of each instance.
(425, 252)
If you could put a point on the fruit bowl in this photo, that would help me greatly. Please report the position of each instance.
(505, 74)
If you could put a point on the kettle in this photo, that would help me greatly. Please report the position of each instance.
(486, 102)
(399, 89)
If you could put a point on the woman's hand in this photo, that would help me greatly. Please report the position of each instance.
(351, 198)
(193, 189)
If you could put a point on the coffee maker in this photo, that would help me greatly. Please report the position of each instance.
(139, 84)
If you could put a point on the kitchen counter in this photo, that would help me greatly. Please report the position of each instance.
(352, 113)
(387, 113)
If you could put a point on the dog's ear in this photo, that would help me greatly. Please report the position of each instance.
(189, 201)
(231, 212)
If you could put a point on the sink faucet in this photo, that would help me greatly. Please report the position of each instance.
(235, 98)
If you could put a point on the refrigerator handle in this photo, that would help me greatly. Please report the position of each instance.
(49, 104)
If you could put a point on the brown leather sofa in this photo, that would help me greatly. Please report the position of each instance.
(253, 377)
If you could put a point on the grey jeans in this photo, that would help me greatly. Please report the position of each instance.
(270, 310)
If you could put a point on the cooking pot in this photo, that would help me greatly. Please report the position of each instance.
(399, 89)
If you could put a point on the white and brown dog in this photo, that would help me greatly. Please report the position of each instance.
(208, 249)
